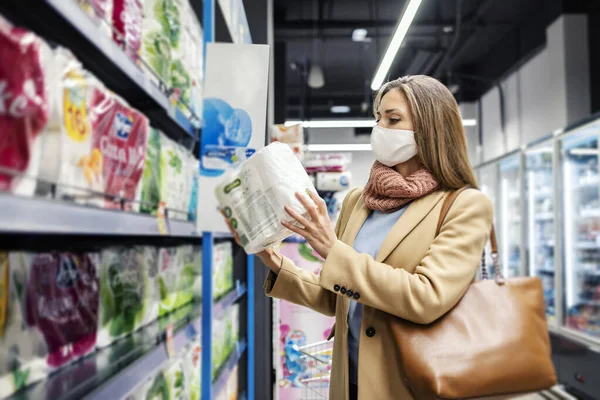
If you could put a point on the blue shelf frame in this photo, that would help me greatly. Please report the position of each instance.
(212, 310)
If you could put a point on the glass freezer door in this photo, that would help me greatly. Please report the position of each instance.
(488, 182)
(581, 202)
(540, 220)
(510, 215)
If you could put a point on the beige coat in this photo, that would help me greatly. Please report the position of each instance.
(415, 277)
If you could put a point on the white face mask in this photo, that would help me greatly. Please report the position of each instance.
(393, 146)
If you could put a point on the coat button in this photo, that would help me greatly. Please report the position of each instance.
(349, 293)
(356, 296)
(370, 332)
(343, 290)
(336, 288)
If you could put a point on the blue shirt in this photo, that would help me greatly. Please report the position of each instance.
(368, 241)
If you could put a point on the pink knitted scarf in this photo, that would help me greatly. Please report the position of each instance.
(388, 191)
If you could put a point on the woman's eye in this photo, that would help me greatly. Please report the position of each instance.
(394, 121)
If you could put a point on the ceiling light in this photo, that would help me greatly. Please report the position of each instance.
(316, 79)
(350, 123)
(395, 43)
(340, 109)
(448, 29)
(359, 35)
(339, 147)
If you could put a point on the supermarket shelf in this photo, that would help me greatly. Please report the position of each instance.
(65, 23)
(41, 216)
(223, 304)
(220, 382)
(588, 246)
(112, 372)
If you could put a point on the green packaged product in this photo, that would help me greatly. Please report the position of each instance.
(152, 178)
(175, 378)
(222, 272)
(124, 292)
(191, 273)
(168, 278)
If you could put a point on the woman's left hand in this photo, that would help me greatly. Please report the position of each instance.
(319, 231)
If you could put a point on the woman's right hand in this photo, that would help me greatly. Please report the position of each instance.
(270, 257)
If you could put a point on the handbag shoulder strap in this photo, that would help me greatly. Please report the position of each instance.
(446, 208)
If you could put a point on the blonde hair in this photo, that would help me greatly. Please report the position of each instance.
(438, 127)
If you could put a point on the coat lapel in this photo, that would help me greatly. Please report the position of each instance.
(414, 214)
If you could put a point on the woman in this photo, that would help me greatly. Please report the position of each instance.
(382, 261)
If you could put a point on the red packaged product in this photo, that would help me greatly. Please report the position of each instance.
(127, 21)
(119, 135)
(62, 301)
(23, 103)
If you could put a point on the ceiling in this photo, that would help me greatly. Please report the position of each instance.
(468, 44)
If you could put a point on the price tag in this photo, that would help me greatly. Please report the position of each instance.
(169, 341)
(161, 219)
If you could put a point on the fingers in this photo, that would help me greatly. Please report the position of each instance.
(295, 229)
(303, 221)
(318, 201)
(312, 209)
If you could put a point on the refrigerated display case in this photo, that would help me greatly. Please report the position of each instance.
(487, 176)
(541, 235)
(510, 213)
(581, 220)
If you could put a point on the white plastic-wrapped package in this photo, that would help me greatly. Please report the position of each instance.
(254, 196)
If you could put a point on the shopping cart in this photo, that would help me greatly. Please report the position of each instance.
(316, 358)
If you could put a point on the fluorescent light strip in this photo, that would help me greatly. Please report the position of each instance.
(395, 43)
(339, 147)
(350, 123)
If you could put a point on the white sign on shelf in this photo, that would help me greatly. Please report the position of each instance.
(235, 114)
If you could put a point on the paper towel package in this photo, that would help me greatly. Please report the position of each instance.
(255, 194)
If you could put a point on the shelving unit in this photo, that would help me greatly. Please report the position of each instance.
(115, 371)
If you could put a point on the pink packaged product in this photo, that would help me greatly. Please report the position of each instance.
(127, 22)
(23, 107)
(119, 137)
(326, 162)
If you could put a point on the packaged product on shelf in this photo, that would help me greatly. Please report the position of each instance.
(190, 271)
(24, 107)
(152, 177)
(161, 31)
(119, 134)
(174, 177)
(195, 53)
(222, 269)
(154, 387)
(234, 316)
(169, 268)
(192, 368)
(149, 257)
(326, 162)
(100, 12)
(219, 346)
(197, 251)
(175, 377)
(23, 350)
(287, 134)
(254, 196)
(333, 181)
(124, 292)
(127, 22)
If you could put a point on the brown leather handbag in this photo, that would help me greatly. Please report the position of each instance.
(494, 342)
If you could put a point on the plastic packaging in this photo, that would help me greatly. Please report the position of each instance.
(23, 107)
(127, 20)
(254, 196)
(124, 293)
(100, 12)
(23, 350)
(152, 177)
(222, 269)
(161, 33)
(174, 178)
(333, 181)
(170, 264)
(192, 368)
